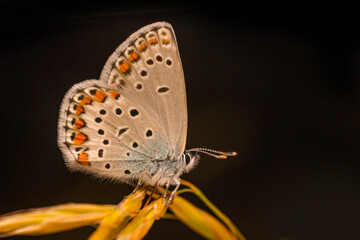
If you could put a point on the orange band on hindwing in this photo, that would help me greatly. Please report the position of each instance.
(79, 110)
(114, 94)
(85, 100)
(153, 41)
(99, 96)
(79, 124)
(133, 57)
(165, 41)
(124, 67)
(142, 47)
(79, 138)
(83, 159)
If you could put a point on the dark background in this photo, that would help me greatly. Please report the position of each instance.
(280, 89)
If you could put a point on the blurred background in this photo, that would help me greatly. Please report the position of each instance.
(280, 89)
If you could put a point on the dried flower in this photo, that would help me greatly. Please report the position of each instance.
(128, 220)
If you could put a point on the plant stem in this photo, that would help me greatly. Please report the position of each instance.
(214, 209)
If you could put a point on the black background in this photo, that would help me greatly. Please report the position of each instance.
(280, 89)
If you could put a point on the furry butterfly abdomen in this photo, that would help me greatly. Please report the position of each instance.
(131, 124)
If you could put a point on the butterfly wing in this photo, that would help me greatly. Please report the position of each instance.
(135, 113)
(148, 67)
(102, 132)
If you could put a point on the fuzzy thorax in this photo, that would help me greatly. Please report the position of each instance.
(168, 172)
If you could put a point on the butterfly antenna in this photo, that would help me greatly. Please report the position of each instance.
(213, 153)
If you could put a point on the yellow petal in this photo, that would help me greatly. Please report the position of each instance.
(52, 219)
(142, 223)
(199, 221)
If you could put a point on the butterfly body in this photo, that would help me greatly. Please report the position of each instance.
(131, 124)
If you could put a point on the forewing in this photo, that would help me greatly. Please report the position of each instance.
(147, 67)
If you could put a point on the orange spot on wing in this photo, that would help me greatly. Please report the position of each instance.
(142, 47)
(99, 96)
(79, 110)
(83, 159)
(165, 41)
(133, 57)
(153, 41)
(124, 67)
(79, 124)
(114, 94)
(85, 100)
(79, 138)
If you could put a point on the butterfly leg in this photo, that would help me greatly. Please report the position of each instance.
(173, 194)
(166, 191)
(138, 185)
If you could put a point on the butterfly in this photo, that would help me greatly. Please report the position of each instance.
(131, 124)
